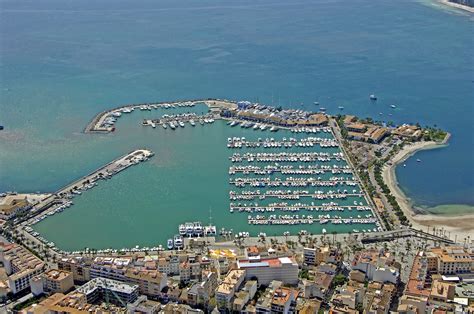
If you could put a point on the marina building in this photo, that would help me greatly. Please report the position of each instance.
(20, 266)
(412, 132)
(284, 269)
(12, 205)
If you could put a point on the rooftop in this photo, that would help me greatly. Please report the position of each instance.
(103, 283)
(56, 275)
(21, 258)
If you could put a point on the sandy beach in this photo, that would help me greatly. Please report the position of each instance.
(459, 226)
(457, 5)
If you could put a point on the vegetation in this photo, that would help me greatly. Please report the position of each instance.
(434, 134)
(27, 303)
(390, 198)
(304, 274)
(339, 280)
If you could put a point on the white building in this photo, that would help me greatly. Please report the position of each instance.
(284, 269)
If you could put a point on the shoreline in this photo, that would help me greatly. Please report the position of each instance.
(457, 6)
(460, 225)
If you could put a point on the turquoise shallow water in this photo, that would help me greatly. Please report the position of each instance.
(62, 62)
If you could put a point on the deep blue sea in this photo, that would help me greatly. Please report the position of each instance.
(64, 61)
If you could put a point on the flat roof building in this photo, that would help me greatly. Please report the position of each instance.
(284, 269)
(118, 293)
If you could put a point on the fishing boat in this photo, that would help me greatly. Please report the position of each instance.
(169, 244)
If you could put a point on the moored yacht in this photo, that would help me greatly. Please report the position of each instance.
(182, 230)
(170, 244)
(178, 242)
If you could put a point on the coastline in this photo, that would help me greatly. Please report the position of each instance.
(457, 5)
(460, 225)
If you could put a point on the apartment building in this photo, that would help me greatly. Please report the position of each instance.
(226, 290)
(20, 266)
(52, 281)
(453, 259)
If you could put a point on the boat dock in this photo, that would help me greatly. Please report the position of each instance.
(104, 122)
(179, 120)
(286, 157)
(296, 208)
(309, 142)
